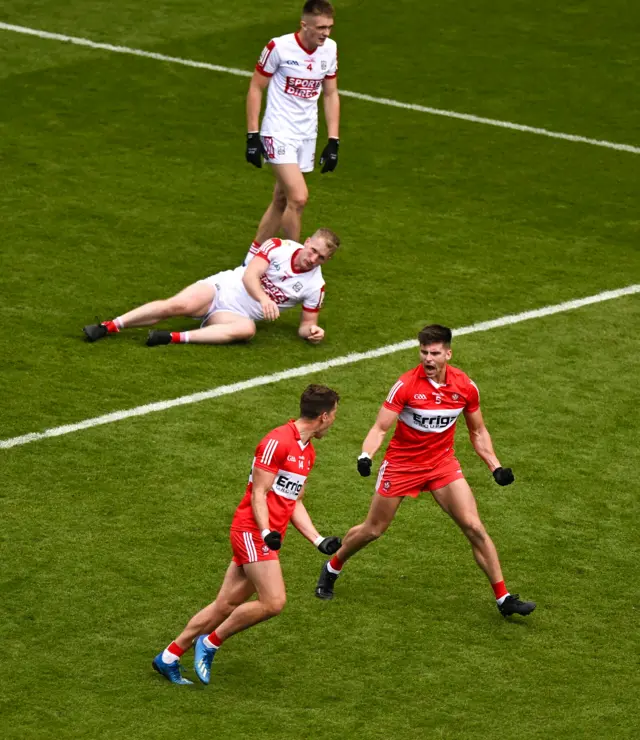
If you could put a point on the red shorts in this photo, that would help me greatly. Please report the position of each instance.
(392, 482)
(249, 547)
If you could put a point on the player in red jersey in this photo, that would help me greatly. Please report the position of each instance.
(283, 460)
(426, 403)
(294, 69)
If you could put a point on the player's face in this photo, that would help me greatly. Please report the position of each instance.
(315, 252)
(434, 358)
(326, 420)
(316, 29)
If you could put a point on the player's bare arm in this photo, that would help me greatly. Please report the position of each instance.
(309, 328)
(262, 483)
(331, 103)
(482, 444)
(251, 281)
(302, 522)
(258, 84)
(374, 439)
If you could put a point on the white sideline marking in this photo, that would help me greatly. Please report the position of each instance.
(296, 372)
(346, 93)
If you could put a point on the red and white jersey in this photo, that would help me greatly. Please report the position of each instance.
(295, 86)
(283, 453)
(428, 412)
(285, 285)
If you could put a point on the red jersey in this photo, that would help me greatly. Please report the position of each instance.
(281, 452)
(428, 412)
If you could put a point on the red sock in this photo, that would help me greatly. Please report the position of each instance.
(111, 326)
(176, 650)
(214, 639)
(336, 563)
(179, 337)
(499, 589)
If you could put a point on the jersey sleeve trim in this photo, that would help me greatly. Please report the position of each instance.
(262, 256)
(331, 77)
(318, 306)
(262, 72)
(264, 58)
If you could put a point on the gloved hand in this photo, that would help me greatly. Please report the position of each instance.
(273, 540)
(254, 149)
(503, 476)
(364, 465)
(329, 156)
(329, 545)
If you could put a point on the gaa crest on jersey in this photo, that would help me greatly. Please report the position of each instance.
(323, 65)
(281, 150)
(297, 287)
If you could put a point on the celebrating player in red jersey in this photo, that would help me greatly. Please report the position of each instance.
(295, 68)
(273, 498)
(229, 303)
(426, 403)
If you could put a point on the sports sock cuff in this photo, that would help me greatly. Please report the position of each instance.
(111, 326)
(499, 589)
(175, 649)
(335, 565)
(212, 640)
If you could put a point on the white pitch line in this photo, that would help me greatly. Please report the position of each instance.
(347, 93)
(296, 372)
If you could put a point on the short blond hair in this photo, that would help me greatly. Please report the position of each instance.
(330, 238)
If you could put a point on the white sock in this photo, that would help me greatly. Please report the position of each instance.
(209, 644)
(118, 323)
(333, 570)
(184, 337)
(502, 598)
(169, 657)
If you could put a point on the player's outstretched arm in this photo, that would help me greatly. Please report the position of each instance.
(251, 281)
(309, 328)
(482, 444)
(385, 420)
(302, 522)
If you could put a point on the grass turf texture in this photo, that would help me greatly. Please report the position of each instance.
(124, 179)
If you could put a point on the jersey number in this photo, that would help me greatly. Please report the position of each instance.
(310, 67)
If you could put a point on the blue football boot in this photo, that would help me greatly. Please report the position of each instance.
(171, 671)
(203, 659)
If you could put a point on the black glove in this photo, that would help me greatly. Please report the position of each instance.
(273, 540)
(329, 545)
(254, 149)
(503, 476)
(364, 465)
(329, 157)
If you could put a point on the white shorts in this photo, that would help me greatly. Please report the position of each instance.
(231, 296)
(290, 151)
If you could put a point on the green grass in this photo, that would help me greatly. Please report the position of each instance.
(124, 179)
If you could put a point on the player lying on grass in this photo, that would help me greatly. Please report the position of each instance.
(281, 466)
(425, 404)
(228, 304)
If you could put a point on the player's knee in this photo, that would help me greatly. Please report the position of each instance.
(374, 530)
(280, 200)
(178, 307)
(298, 199)
(474, 530)
(274, 605)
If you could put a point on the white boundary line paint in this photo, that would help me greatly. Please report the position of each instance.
(297, 372)
(346, 93)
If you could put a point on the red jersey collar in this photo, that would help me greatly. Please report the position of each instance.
(306, 51)
(296, 434)
(293, 267)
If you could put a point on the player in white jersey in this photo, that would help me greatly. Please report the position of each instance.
(295, 68)
(284, 274)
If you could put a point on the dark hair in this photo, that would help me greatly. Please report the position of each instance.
(316, 399)
(318, 7)
(435, 334)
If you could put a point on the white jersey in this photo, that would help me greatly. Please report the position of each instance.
(295, 86)
(281, 282)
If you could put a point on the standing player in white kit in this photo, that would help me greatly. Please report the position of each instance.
(296, 68)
